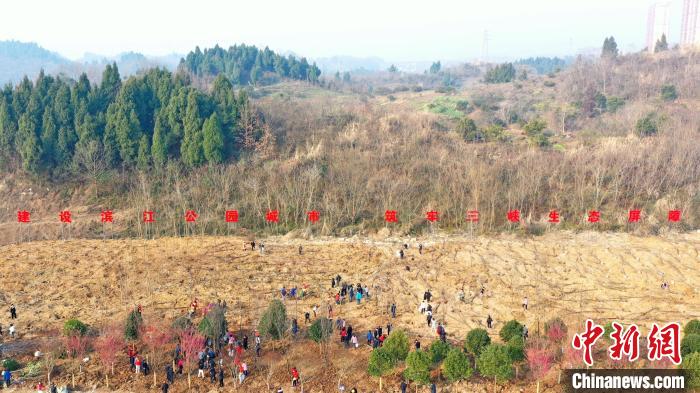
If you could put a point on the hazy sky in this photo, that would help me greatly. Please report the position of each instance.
(390, 29)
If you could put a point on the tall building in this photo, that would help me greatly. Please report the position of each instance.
(690, 31)
(657, 23)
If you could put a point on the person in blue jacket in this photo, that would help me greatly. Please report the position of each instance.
(7, 377)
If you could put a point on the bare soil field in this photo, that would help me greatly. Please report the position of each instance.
(604, 276)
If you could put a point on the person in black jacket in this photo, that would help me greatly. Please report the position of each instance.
(170, 374)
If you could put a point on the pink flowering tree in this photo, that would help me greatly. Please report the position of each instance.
(156, 337)
(191, 343)
(77, 346)
(108, 345)
(539, 358)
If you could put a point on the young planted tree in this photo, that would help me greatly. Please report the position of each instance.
(418, 367)
(397, 345)
(511, 329)
(273, 322)
(156, 337)
(108, 345)
(52, 351)
(380, 364)
(439, 350)
(132, 325)
(214, 325)
(320, 332)
(495, 362)
(456, 366)
(477, 340)
(191, 343)
(691, 365)
(556, 330)
(76, 346)
(692, 327)
(539, 359)
(516, 349)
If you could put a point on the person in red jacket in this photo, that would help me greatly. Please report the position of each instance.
(295, 377)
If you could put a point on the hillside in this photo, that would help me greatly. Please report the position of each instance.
(18, 59)
(582, 139)
(572, 276)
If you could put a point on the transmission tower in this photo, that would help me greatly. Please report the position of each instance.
(485, 47)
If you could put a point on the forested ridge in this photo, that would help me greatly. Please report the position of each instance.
(55, 124)
(244, 64)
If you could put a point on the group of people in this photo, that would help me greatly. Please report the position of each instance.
(11, 330)
(353, 293)
(402, 253)
(293, 292)
(137, 362)
(211, 362)
(261, 246)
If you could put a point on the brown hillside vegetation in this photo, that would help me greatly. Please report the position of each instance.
(573, 276)
(352, 155)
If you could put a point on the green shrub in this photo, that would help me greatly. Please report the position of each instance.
(10, 364)
(511, 329)
(690, 343)
(468, 130)
(33, 369)
(691, 364)
(516, 349)
(494, 362)
(74, 326)
(380, 363)
(439, 350)
(534, 127)
(397, 345)
(132, 325)
(273, 322)
(456, 366)
(494, 132)
(692, 327)
(477, 340)
(647, 126)
(418, 367)
(321, 330)
(669, 93)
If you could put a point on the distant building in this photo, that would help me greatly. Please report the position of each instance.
(690, 31)
(657, 23)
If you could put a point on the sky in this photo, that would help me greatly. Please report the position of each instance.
(406, 30)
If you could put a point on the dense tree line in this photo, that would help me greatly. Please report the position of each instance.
(54, 124)
(502, 73)
(243, 64)
(544, 65)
